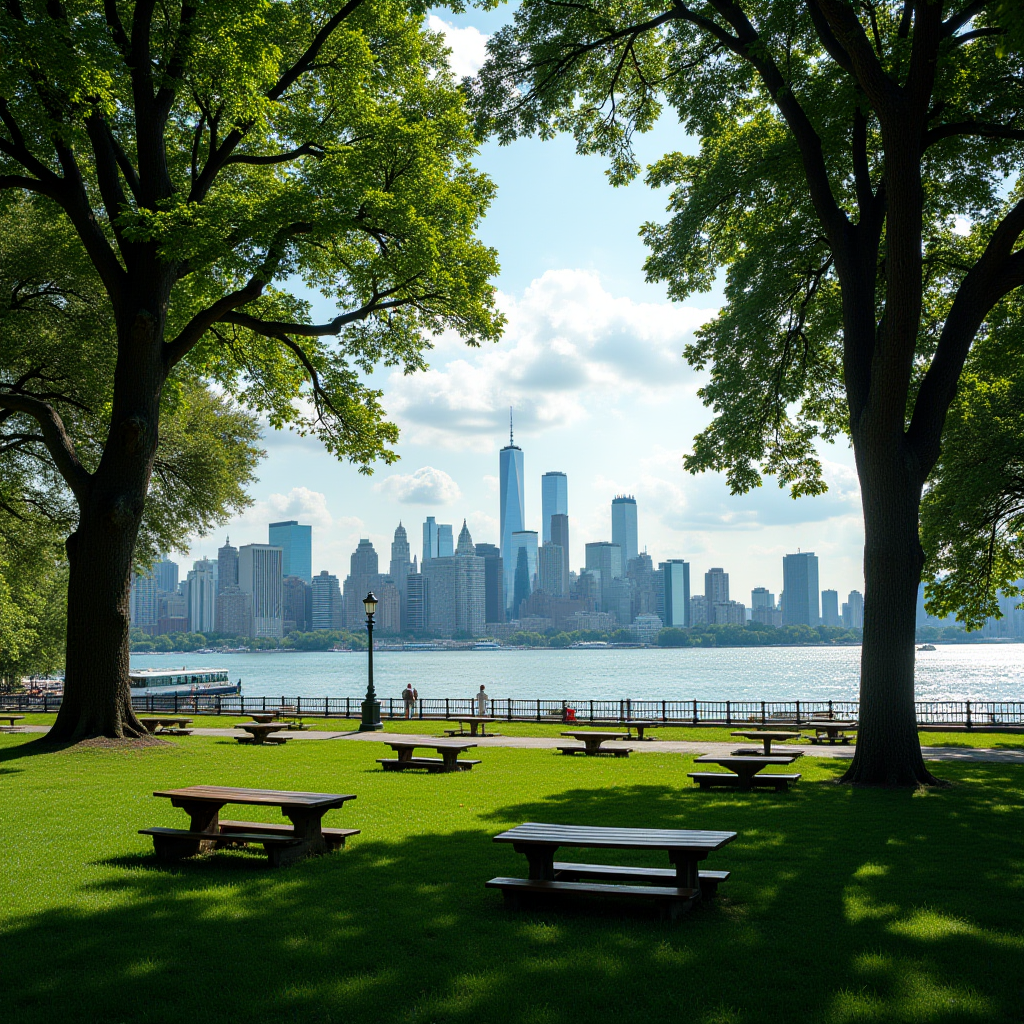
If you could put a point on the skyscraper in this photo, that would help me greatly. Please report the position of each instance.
(445, 541)
(552, 577)
(326, 601)
(400, 567)
(298, 604)
(800, 589)
(494, 582)
(830, 608)
(762, 607)
(853, 610)
(624, 527)
(526, 539)
(166, 574)
(416, 597)
(560, 536)
(259, 575)
(363, 577)
(202, 597)
(513, 505)
(606, 559)
(716, 586)
(554, 501)
(227, 567)
(676, 582)
(296, 544)
(429, 539)
(143, 602)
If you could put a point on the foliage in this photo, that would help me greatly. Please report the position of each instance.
(318, 640)
(972, 515)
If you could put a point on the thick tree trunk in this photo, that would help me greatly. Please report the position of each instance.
(888, 752)
(97, 696)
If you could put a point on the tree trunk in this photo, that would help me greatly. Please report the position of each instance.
(97, 693)
(888, 751)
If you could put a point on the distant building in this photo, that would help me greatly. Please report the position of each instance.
(646, 628)
(521, 589)
(595, 621)
(327, 602)
(560, 611)
(227, 580)
(676, 591)
(800, 589)
(560, 535)
(362, 578)
(624, 527)
(165, 572)
(389, 607)
(763, 608)
(259, 575)
(620, 600)
(296, 544)
(234, 612)
(527, 541)
(142, 605)
(606, 559)
(853, 610)
(554, 501)
(202, 597)
(456, 600)
(429, 539)
(588, 587)
(400, 568)
(551, 568)
(298, 604)
(445, 541)
(513, 507)
(830, 608)
(716, 586)
(730, 613)
(494, 582)
(416, 602)
(700, 612)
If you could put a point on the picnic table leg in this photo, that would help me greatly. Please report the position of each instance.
(686, 869)
(308, 825)
(405, 755)
(450, 760)
(639, 732)
(204, 817)
(541, 860)
(473, 728)
(591, 746)
(767, 746)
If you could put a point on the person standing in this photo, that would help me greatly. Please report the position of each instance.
(483, 702)
(409, 696)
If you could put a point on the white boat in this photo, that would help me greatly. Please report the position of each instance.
(147, 682)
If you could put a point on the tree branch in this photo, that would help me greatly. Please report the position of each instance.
(955, 22)
(981, 129)
(306, 149)
(55, 438)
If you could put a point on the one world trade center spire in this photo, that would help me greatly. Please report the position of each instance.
(513, 506)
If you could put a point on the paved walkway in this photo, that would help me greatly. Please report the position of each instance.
(1009, 756)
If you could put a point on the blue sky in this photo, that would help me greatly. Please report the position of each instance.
(592, 363)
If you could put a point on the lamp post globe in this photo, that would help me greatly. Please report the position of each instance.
(370, 721)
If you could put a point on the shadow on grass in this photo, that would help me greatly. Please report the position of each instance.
(844, 906)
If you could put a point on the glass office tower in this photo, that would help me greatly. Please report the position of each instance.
(800, 589)
(624, 527)
(513, 506)
(554, 501)
(296, 544)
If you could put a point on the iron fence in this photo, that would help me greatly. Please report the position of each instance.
(969, 714)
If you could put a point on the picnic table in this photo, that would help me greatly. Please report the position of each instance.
(173, 725)
(284, 844)
(11, 719)
(744, 773)
(676, 889)
(475, 722)
(834, 732)
(592, 743)
(261, 733)
(262, 717)
(294, 722)
(447, 762)
(766, 738)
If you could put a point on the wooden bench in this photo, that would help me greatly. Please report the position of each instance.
(569, 871)
(614, 751)
(261, 742)
(335, 837)
(11, 719)
(706, 780)
(171, 844)
(432, 764)
(671, 901)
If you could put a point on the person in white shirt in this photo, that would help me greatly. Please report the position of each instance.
(482, 702)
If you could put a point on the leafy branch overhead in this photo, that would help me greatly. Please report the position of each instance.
(263, 151)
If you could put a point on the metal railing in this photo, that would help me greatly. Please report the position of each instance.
(965, 714)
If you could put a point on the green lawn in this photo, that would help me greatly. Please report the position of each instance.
(844, 906)
(434, 727)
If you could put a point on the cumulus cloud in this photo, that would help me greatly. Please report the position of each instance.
(468, 46)
(427, 486)
(570, 350)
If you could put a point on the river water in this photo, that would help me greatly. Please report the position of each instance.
(953, 672)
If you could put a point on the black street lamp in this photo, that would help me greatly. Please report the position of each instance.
(371, 706)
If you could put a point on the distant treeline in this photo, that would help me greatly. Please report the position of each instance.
(320, 640)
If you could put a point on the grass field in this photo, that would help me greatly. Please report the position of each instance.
(434, 727)
(844, 906)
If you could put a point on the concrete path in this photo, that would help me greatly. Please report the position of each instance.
(1009, 756)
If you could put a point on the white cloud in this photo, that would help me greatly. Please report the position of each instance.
(468, 46)
(571, 350)
(427, 486)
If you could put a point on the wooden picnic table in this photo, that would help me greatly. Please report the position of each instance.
(676, 889)
(262, 717)
(835, 732)
(284, 844)
(475, 722)
(11, 719)
(744, 771)
(766, 738)
(164, 723)
(294, 722)
(447, 762)
(260, 733)
(592, 743)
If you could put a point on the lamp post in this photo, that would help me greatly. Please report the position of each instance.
(371, 706)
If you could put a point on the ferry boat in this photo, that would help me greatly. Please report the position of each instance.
(147, 682)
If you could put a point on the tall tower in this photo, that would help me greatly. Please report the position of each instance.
(227, 566)
(554, 501)
(624, 527)
(296, 544)
(513, 505)
(800, 589)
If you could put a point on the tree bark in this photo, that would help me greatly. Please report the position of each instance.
(888, 751)
(97, 692)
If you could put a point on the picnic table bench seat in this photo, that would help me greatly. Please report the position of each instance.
(570, 871)
(614, 751)
(671, 901)
(432, 764)
(707, 780)
(261, 742)
(335, 837)
(171, 844)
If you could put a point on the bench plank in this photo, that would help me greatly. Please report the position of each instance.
(432, 764)
(672, 901)
(569, 871)
(708, 779)
(335, 837)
